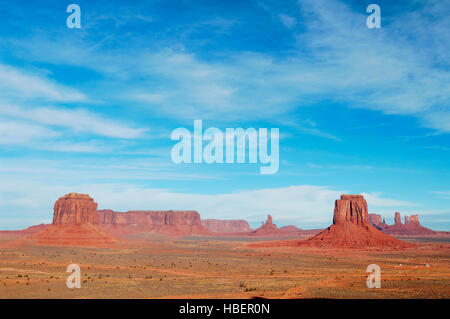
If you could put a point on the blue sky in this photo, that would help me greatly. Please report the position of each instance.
(359, 110)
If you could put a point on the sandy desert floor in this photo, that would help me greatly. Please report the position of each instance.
(222, 268)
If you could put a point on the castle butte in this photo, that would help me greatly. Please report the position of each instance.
(411, 227)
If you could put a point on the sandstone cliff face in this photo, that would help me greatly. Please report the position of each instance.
(176, 223)
(75, 208)
(149, 217)
(351, 208)
(227, 226)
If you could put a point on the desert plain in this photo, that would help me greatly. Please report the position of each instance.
(196, 267)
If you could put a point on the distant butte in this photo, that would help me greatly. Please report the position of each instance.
(227, 226)
(411, 227)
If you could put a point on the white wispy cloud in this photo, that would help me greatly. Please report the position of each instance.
(77, 120)
(338, 59)
(443, 194)
(375, 200)
(21, 84)
(16, 132)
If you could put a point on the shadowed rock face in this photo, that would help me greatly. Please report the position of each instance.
(375, 219)
(76, 209)
(351, 208)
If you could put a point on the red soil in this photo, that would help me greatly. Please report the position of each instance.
(84, 234)
(16, 234)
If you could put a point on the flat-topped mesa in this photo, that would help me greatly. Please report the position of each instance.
(74, 209)
(149, 217)
(351, 208)
(227, 226)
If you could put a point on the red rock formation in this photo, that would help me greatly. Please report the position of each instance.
(398, 219)
(376, 221)
(75, 208)
(267, 229)
(413, 219)
(227, 226)
(351, 228)
(351, 208)
(175, 223)
(411, 227)
(74, 224)
(290, 229)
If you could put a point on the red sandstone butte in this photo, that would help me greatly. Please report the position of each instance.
(398, 219)
(170, 222)
(411, 227)
(227, 226)
(267, 229)
(74, 224)
(350, 229)
(76, 209)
